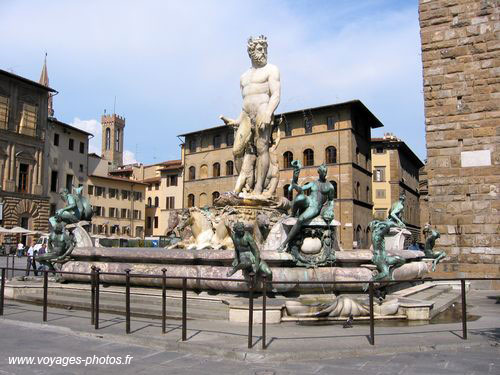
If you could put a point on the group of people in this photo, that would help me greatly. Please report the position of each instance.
(32, 252)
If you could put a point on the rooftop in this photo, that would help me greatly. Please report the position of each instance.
(26, 80)
(391, 141)
(119, 179)
(351, 103)
(63, 124)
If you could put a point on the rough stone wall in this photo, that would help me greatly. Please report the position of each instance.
(461, 66)
(18, 205)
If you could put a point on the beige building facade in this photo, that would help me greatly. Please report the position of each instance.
(23, 129)
(66, 151)
(395, 173)
(460, 58)
(118, 203)
(163, 193)
(337, 135)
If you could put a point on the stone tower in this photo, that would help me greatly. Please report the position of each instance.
(112, 139)
(460, 56)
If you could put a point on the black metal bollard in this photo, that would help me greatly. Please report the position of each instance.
(372, 320)
(92, 295)
(13, 261)
(127, 301)
(264, 301)
(45, 290)
(96, 318)
(7, 264)
(184, 308)
(163, 301)
(2, 291)
(250, 309)
(464, 309)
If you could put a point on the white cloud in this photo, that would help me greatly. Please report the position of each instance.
(178, 76)
(94, 127)
(128, 157)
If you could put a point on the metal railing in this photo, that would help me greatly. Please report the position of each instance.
(95, 277)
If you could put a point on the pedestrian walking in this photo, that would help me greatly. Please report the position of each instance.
(20, 249)
(32, 253)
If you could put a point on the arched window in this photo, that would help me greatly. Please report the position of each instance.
(203, 171)
(216, 170)
(308, 157)
(149, 202)
(357, 155)
(368, 238)
(334, 184)
(368, 198)
(230, 139)
(191, 200)
(203, 200)
(192, 173)
(108, 138)
(229, 168)
(331, 155)
(215, 195)
(157, 202)
(286, 193)
(117, 140)
(287, 159)
(356, 191)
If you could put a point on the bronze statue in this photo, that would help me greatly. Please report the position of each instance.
(246, 253)
(385, 263)
(430, 241)
(396, 212)
(319, 202)
(61, 240)
(77, 208)
(60, 245)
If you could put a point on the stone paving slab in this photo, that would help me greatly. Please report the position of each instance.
(286, 342)
(50, 340)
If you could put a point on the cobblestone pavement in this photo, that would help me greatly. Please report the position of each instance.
(99, 354)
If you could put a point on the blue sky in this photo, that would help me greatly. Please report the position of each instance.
(174, 66)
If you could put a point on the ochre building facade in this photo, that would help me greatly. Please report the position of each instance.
(396, 173)
(23, 125)
(337, 135)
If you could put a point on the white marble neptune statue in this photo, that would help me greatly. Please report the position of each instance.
(260, 88)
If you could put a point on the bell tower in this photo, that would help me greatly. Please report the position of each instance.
(112, 138)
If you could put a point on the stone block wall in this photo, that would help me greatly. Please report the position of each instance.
(461, 74)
